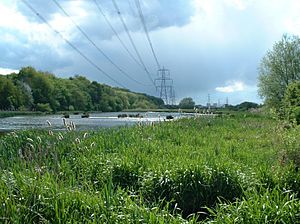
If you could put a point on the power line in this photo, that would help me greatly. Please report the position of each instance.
(71, 45)
(163, 84)
(116, 33)
(95, 45)
(138, 5)
(131, 40)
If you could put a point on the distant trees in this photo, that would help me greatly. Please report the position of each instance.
(279, 68)
(42, 91)
(244, 106)
(187, 103)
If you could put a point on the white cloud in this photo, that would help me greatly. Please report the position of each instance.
(239, 4)
(20, 29)
(6, 71)
(231, 87)
(212, 42)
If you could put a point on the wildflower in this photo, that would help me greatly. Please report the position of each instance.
(38, 170)
(31, 146)
(30, 139)
(20, 153)
(39, 139)
(50, 133)
(77, 140)
(73, 126)
(14, 134)
(60, 136)
(48, 122)
(85, 135)
(64, 122)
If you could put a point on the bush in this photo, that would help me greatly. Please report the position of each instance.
(291, 146)
(44, 107)
(193, 189)
(292, 102)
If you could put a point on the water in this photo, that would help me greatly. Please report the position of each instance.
(95, 121)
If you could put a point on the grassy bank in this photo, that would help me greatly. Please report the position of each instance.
(224, 170)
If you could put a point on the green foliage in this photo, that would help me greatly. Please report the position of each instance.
(245, 106)
(220, 169)
(290, 146)
(9, 95)
(273, 206)
(278, 69)
(187, 103)
(292, 102)
(42, 91)
(43, 107)
(194, 188)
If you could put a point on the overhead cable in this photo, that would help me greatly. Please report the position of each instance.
(138, 5)
(131, 40)
(116, 33)
(71, 45)
(95, 45)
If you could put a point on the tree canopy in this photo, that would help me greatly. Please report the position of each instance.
(42, 91)
(187, 103)
(244, 106)
(279, 68)
(292, 102)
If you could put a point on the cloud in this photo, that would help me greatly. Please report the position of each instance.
(239, 4)
(6, 71)
(204, 43)
(233, 86)
(163, 14)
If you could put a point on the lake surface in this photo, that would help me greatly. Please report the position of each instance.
(95, 121)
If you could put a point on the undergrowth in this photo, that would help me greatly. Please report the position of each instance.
(239, 169)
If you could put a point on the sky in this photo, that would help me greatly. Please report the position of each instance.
(210, 46)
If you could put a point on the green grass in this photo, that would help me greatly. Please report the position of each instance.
(225, 169)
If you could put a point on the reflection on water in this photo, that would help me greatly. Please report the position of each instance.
(95, 121)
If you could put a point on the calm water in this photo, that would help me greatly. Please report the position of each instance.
(95, 121)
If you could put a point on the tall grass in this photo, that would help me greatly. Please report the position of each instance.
(190, 170)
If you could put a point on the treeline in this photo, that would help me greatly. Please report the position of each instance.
(32, 90)
(244, 106)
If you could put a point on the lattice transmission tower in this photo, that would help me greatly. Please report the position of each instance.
(164, 86)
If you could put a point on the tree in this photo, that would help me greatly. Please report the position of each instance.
(8, 94)
(292, 102)
(246, 106)
(187, 103)
(42, 91)
(278, 69)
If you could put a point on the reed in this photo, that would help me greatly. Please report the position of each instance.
(222, 169)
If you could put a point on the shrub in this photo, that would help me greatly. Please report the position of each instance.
(193, 189)
(44, 107)
(273, 206)
(292, 102)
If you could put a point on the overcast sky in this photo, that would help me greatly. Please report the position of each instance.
(210, 46)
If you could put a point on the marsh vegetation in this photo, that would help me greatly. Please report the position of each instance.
(239, 169)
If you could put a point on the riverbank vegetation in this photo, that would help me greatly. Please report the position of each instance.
(279, 78)
(32, 90)
(230, 169)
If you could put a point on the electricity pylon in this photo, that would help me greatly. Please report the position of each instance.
(164, 86)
